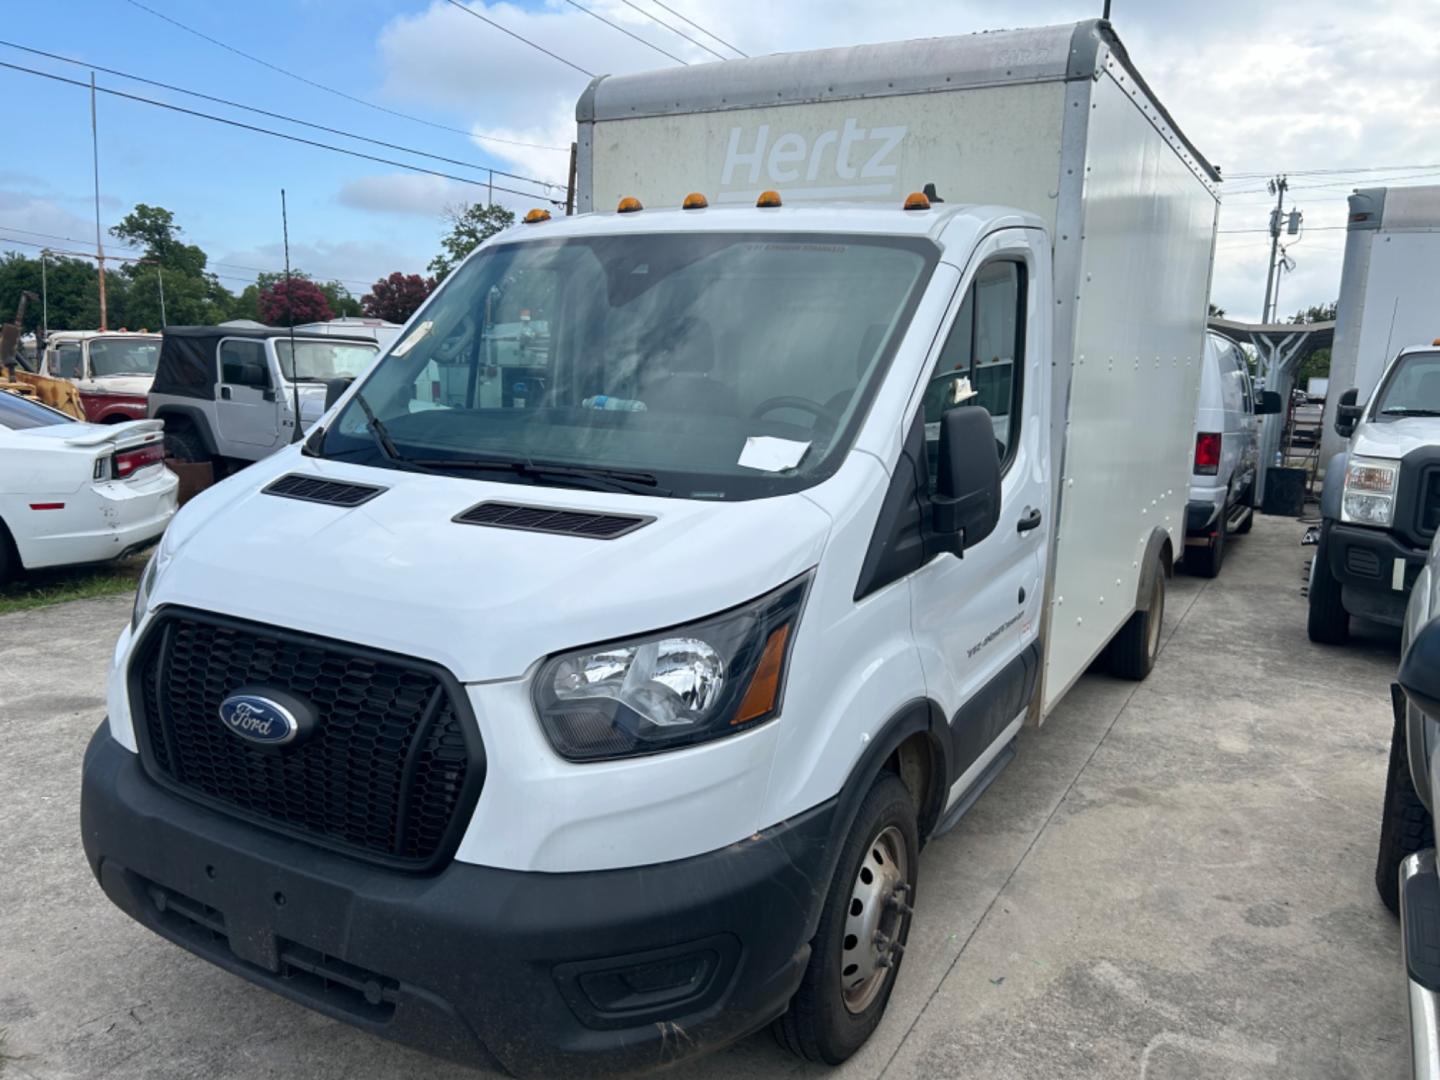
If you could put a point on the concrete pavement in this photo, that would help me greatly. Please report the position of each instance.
(1172, 880)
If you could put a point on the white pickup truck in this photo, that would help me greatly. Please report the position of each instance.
(584, 704)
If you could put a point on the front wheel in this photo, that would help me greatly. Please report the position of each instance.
(856, 952)
(1405, 825)
(1328, 623)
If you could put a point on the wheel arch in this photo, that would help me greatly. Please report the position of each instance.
(193, 418)
(1159, 558)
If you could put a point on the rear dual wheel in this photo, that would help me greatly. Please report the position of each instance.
(856, 952)
(1133, 651)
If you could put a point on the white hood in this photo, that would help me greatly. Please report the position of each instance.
(397, 573)
(1395, 438)
(119, 384)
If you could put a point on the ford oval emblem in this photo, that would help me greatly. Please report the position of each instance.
(259, 719)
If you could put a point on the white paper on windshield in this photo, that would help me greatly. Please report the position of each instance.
(413, 338)
(769, 454)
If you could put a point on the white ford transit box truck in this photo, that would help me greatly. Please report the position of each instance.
(656, 637)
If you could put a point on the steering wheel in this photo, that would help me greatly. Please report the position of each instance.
(821, 414)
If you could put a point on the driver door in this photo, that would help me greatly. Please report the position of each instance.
(976, 619)
(247, 412)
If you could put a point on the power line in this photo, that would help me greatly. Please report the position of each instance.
(273, 115)
(283, 135)
(513, 34)
(1323, 172)
(318, 85)
(702, 29)
(616, 26)
(675, 30)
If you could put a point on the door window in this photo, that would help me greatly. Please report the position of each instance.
(242, 363)
(986, 346)
(66, 364)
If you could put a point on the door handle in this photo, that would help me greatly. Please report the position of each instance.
(225, 392)
(1029, 521)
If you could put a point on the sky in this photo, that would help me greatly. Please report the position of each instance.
(1261, 88)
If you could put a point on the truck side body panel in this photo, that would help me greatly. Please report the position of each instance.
(1140, 296)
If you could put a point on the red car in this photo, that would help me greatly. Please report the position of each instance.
(112, 370)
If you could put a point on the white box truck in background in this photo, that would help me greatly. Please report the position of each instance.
(1389, 292)
(642, 671)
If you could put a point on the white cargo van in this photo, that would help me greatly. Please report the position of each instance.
(652, 646)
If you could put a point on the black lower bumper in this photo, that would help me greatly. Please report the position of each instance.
(1363, 561)
(1201, 517)
(544, 974)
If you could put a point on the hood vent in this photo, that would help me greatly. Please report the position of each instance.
(545, 519)
(330, 492)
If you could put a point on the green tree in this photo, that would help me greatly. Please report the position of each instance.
(153, 229)
(471, 224)
(1317, 364)
(71, 290)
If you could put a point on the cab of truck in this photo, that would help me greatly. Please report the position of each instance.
(1380, 504)
(112, 370)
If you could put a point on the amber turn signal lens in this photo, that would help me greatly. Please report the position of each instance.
(768, 198)
(916, 200)
(765, 683)
(695, 201)
(534, 217)
(628, 205)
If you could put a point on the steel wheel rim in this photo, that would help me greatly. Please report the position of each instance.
(1157, 617)
(870, 947)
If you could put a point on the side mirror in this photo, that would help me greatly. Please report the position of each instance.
(334, 388)
(1268, 403)
(1347, 413)
(1420, 670)
(966, 503)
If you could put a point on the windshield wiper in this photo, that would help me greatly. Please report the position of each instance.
(381, 434)
(632, 482)
(1401, 411)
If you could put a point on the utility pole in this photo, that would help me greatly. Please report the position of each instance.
(160, 277)
(44, 299)
(95, 159)
(1278, 187)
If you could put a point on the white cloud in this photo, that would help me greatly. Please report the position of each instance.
(404, 193)
(1258, 88)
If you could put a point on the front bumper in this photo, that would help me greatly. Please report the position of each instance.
(1420, 946)
(546, 974)
(1375, 570)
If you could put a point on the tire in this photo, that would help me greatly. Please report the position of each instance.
(1405, 825)
(9, 557)
(822, 1024)
(184, 444)
(1132, 653)
(1328, 622)
(1208, 565)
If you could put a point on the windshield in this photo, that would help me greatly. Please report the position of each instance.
(114, 356)
(325, 359)
(1412, 388)
(18, 413)
(722, 365)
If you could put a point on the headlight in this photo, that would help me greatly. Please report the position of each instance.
(142, 591)
(1369, 496)
(674, 688)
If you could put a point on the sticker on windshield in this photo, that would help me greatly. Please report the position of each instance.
(769, 454)
(413, 338)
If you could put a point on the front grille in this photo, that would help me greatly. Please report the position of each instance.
(499, 515)
(390, 772)
(1429, 501)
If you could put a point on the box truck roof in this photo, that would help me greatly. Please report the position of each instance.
(981, 116)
